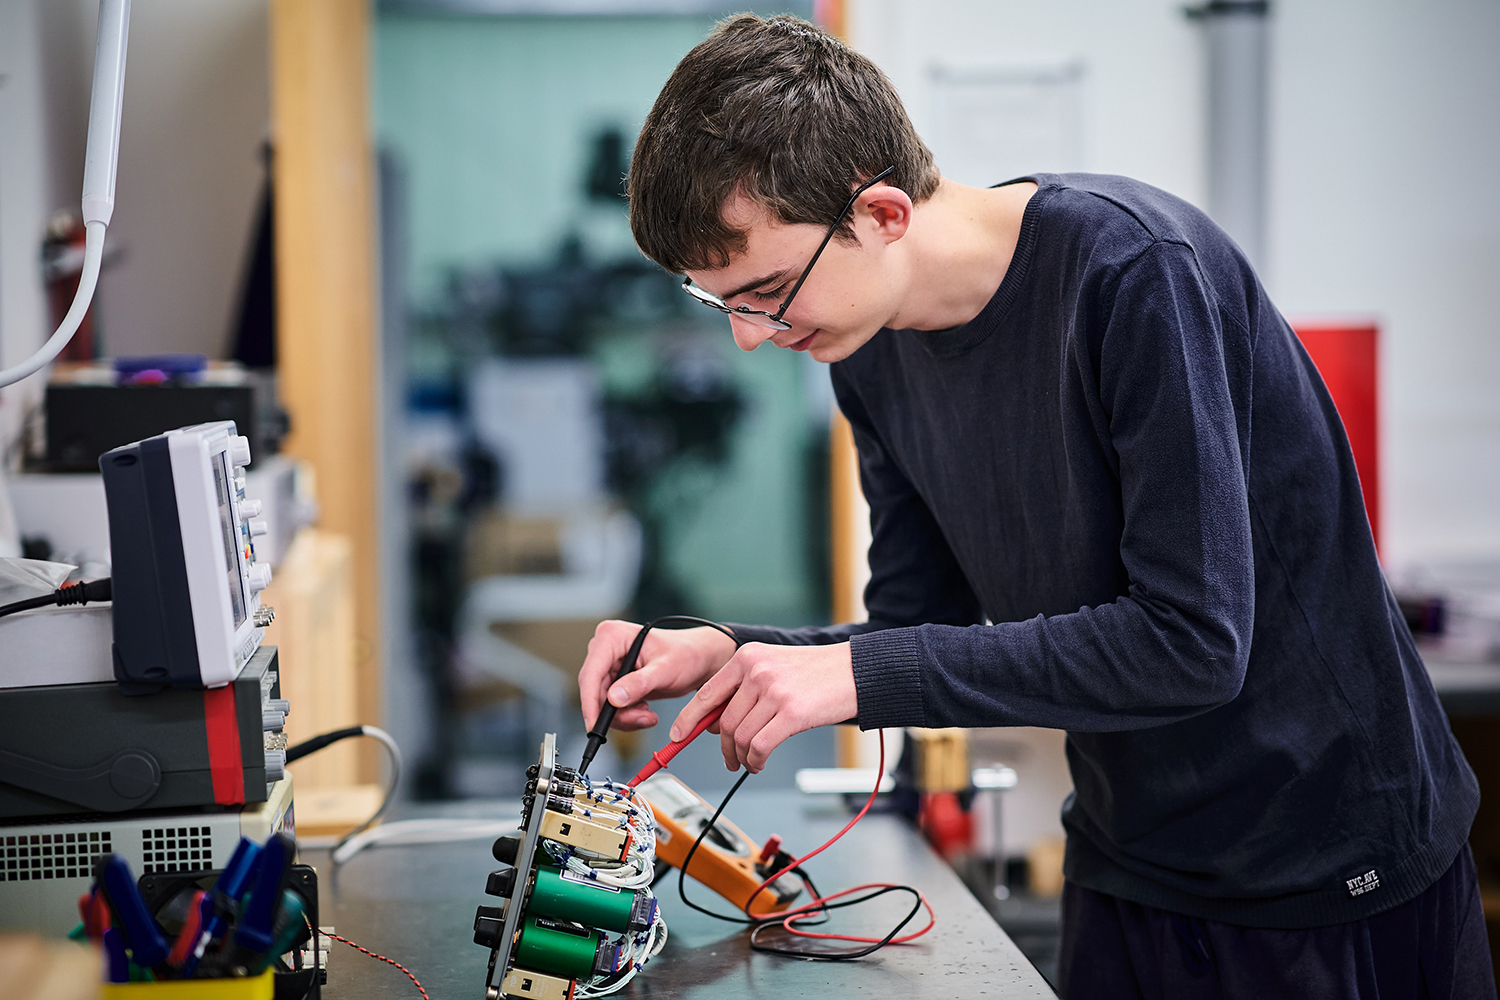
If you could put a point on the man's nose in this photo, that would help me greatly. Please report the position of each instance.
(747, 335)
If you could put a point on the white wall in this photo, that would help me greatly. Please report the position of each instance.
(197, 107)
(1384, 137)
(1143, 91)
(23, 201)
(1384, 203)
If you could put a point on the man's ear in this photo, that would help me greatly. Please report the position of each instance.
(886, 211)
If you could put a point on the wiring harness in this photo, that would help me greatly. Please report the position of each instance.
(616, 803)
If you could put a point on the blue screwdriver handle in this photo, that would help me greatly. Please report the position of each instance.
(148, 946)
(226, 892)
(257, 927)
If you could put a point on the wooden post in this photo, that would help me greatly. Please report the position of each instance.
(844, 522)
(327, 343)
(849, 516)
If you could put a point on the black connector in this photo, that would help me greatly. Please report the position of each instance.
(501, 882)
(79, 593)
(642, 912)
(507, 848)
(489, 926)
(606, 958)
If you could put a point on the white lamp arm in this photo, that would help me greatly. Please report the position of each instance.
(100, 165)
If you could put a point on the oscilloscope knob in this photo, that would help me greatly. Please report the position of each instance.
(258, 576)
(239, 451)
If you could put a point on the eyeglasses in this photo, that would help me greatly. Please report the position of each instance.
(773, 320)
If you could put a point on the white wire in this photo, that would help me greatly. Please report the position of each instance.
(93, 255)
(639, 867)
(635, 873)
(640, 951)
(351, 844)
(407, 832)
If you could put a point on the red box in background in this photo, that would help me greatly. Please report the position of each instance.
(1346, 358)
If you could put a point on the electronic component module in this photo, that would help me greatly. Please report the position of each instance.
(579, 917)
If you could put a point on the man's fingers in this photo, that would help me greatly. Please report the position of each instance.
(635, 717)
(609, 644)
(634, 686)
(735, 738)
(776, 732)
(718, 688)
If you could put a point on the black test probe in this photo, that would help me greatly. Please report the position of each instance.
(599, 735)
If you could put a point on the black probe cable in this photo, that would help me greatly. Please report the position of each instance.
(599, 734)
(78, 593)
(758, 924)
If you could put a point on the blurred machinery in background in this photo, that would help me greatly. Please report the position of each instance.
(549, 408)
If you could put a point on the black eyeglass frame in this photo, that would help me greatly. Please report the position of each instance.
(713, 301)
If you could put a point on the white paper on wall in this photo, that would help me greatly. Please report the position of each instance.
(991, 123)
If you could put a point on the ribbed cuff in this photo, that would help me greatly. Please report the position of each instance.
(887, 678)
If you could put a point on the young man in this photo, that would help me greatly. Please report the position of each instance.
(1109, 494)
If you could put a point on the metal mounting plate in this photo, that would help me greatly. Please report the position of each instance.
(532, 831)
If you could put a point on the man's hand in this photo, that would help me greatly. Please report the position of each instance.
(672, 662)
(774, 692)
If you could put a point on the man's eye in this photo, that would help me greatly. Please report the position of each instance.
(774, 293)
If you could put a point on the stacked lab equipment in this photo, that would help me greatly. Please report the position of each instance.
(176, 752)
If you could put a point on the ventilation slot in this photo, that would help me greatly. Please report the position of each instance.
(38, 856)
(176, 849)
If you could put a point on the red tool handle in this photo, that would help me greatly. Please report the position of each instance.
(664, 756)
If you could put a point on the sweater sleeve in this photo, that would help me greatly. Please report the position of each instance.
(914, 579)
(1177, 642)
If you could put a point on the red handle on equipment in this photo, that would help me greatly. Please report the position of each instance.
(664, 756)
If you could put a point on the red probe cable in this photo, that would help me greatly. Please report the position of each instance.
(879, 776)
(664, 756)
(789, 921)
(813, 906)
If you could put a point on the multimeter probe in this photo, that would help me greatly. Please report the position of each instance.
(762, 910)
(599, 734)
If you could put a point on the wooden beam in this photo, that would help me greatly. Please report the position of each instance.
(848, 521)
(327, 344)
(849, 517)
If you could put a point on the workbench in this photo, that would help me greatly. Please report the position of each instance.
(416, 906)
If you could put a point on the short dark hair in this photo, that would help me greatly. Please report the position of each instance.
(775, 108)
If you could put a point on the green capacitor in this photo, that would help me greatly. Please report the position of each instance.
(560, 894)
(551, 946)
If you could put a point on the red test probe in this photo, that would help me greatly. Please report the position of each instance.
(664, 756)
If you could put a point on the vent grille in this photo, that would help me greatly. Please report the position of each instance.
(38, 856)
(176, 849)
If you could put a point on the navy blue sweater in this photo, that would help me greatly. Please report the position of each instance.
(1120, 502)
